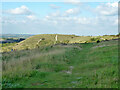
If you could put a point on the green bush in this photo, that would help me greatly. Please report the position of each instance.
(95, 39)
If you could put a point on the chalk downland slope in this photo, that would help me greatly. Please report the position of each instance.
(49, 39)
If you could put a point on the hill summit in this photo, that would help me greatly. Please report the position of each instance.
(42, 40)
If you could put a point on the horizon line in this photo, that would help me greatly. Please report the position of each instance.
(55, 33)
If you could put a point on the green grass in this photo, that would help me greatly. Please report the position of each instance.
(0, 74)
(87, 65)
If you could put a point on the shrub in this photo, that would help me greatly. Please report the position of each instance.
(26, 48)
(66, 41)
(95, 39)
(118, 34)
(43, 38)
(58, 42)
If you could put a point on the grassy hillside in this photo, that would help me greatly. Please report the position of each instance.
(85, 65)
(49, 39)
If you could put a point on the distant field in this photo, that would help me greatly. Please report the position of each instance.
(15, 35)
(82, 65)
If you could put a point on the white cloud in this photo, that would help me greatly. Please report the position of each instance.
(31, 17)
(69, 12)
(66, 25)
(12, 20)
(47, 17)
(55, 14)
(115, 22)
(75, 2)
(115, 4)
(54, 6)
(0, 18)
(84, 20)
(108, 9)
(73, 11)
(23, 10)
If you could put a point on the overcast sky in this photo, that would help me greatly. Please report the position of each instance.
(60, 18)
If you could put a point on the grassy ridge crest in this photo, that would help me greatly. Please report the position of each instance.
(49, 39)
